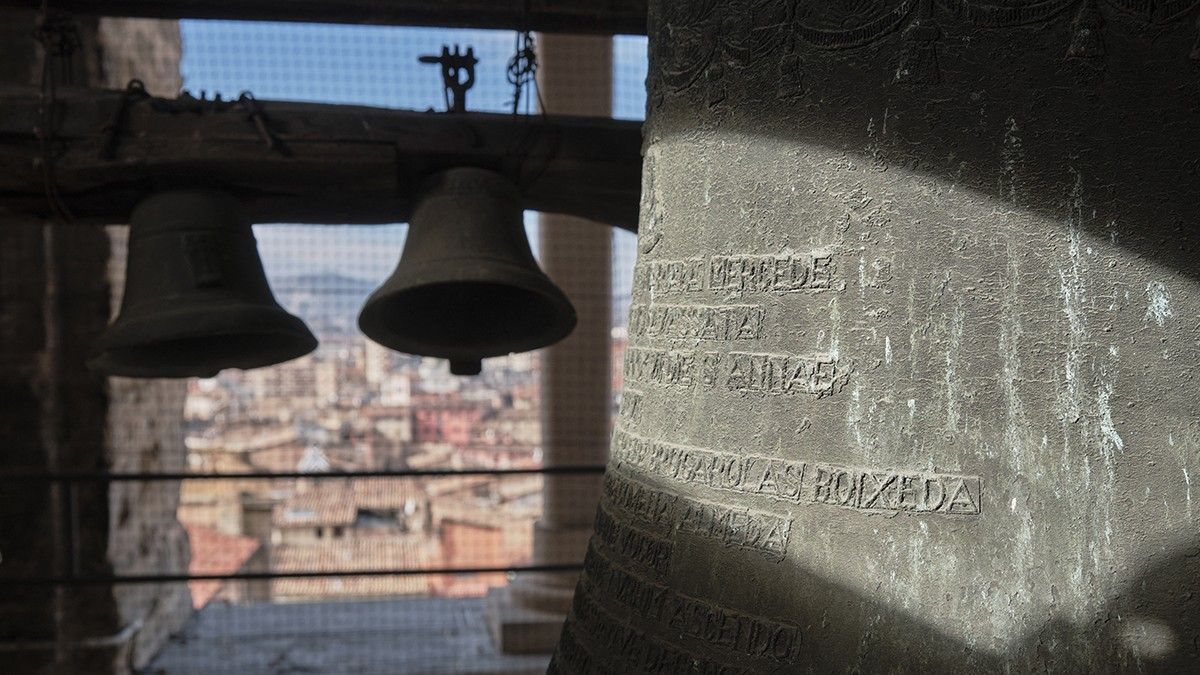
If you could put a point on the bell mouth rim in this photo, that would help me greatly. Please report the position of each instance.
(121, 341)
(372, 322)
(204, 319)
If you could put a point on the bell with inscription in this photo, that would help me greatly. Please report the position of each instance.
(196, 297)
(467, 285)
(912, 375)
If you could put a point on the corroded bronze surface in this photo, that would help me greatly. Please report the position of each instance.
(910, 383)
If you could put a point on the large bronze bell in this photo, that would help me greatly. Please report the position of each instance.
(196, 297)
(467, 286)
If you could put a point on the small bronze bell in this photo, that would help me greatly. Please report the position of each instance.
(196, 297)
(467, 286)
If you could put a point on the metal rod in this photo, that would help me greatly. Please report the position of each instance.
(251, 576)
(105, 477)
(115, 640)
(72, 530)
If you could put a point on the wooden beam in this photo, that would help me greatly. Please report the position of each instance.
(331, 163)
(603, 17)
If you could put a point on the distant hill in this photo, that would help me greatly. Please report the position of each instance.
(329, 303)
(325, 282)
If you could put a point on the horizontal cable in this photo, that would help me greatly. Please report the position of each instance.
(59, 580)
(106, 477)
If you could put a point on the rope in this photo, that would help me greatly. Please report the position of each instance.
(59, 40)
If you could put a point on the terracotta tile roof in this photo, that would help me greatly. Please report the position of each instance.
(245, 438)
(334, 501)
(518, 487)
(362, 553)
(386, 493)
(430, 455)
(437, 487)
(480, 515)
(215, 553)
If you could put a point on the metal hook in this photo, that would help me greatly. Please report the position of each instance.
(453, 65)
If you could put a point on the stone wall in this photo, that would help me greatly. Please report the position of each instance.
(145, 417)
(55, 299)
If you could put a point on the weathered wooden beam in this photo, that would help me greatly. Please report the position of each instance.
(603, 17)
(330, 163)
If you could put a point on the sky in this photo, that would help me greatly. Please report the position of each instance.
(370, 65)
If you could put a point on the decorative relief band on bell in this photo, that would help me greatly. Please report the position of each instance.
(203, 254)
(471, 182)
(714, 47)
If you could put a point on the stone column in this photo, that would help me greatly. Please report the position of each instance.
(575, 77)
(916, 340)
(145, 417)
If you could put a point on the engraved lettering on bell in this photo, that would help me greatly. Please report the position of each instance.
(696, 322)
(607, 583)
(799, 481)
(632, 543)
(626, 649)
(747, 273)
(745, 372)
(759, 531)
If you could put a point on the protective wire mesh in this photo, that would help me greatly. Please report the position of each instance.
(355, 406)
